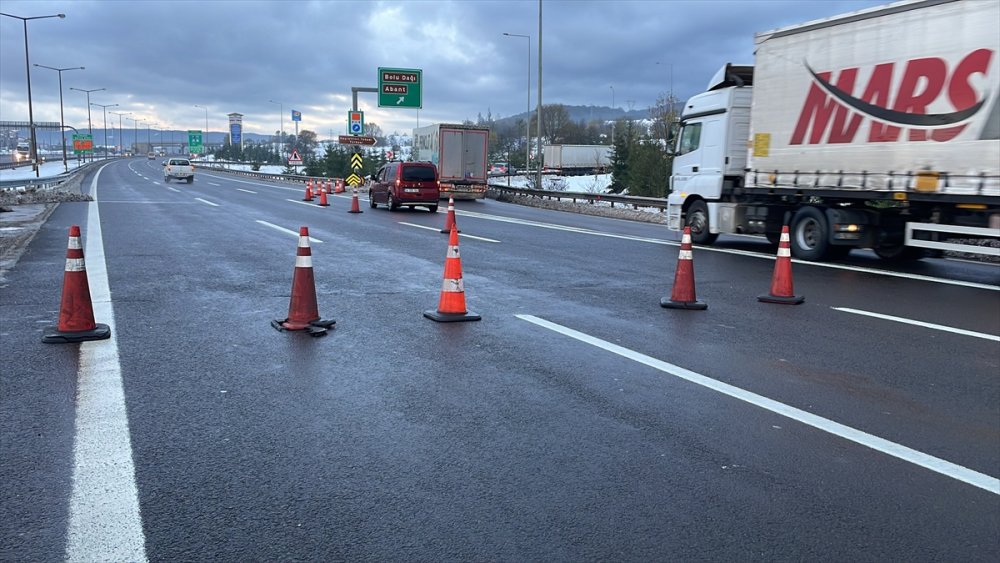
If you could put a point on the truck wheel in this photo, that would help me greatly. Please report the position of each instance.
(809, 234)
(697, 219)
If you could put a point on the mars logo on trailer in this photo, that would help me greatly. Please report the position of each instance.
(833, 107)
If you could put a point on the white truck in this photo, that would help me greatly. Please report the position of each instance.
(577, 159)
(875, 129)
(459, 152)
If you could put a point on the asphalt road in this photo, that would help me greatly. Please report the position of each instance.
(578, 420)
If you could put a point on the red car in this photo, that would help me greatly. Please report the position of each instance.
(405, 183)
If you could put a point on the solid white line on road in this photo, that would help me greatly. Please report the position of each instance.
(240, 190)
(943, 467)
(284, 230)
(737, 252)
(104, 519)
(205, 201)
(944, 328)
(439, 230)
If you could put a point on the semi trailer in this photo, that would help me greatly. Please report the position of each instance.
(875, 129)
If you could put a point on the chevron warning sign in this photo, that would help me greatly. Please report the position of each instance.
(356, 162)
(354, 180)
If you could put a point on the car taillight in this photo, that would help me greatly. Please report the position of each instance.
(397, 182)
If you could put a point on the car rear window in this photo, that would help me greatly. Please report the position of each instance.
(418, 174)
(179, 162)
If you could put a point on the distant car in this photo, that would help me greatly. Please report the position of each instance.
(151, 155)
(178, 169)
(499, 168)
(405, 183)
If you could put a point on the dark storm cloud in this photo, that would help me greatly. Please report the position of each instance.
(158, 59)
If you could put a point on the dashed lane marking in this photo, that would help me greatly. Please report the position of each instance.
(943, 467)
(913, 322)
(439, 230)
(284, 230)
(205, 201)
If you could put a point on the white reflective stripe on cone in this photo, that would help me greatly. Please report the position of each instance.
(453, 286)
(452, 252)
(686, 255)
(784, 252)
(74, 243)
(75, 265)
(303, 261)
(303, 242)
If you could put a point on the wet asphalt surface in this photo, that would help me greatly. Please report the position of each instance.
(398, 439)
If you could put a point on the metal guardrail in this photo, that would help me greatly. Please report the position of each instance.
(296, 178)
(634, 201)
(47, 182)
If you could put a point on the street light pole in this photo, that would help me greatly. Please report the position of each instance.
(120, 133)
(135, 134)
(27, 68)
(204, 136)
(105, 108)
(281, 130)
(90, 124)
(62, 118)
(527, 148)
(612, 115)
(538, 177)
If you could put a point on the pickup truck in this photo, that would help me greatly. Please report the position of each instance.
(179, 169)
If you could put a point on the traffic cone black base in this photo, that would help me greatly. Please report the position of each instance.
(793, 300)
(315, 328)
(451, 317)
(52, 335)
(693, 305)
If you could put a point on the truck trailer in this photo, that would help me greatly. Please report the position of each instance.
(459, 152)
(875, 129)
(577, 159)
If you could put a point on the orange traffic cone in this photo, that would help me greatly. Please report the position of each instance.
(449, 222)
(451, 306)
(329, 186)
(322, 199)
(76, 312)
(683, 295)
(355, 208)
(309, 192)
(339, 186)
(781, 282)
(303, 313)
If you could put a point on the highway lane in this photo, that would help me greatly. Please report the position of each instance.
(397, 438)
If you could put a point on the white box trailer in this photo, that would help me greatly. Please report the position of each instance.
(459, 152)
(875, 129)
(577, 159)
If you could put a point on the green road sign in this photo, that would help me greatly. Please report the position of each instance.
(194, 141)
(400, 88)
(83, 144)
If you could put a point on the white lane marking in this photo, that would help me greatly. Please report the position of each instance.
(213, 184)
(205, 201)
(309, 203)
(284, 230)
(228, 179)
(105, 523)
(737, 252)
(239, 189)
(173, 189)
(944, 328)
(439, 230)
(943, 467)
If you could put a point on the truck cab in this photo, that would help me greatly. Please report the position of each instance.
(710, 153)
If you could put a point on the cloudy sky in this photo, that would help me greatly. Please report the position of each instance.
(158, 60)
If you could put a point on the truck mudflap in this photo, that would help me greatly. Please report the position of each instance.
(463, 191)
